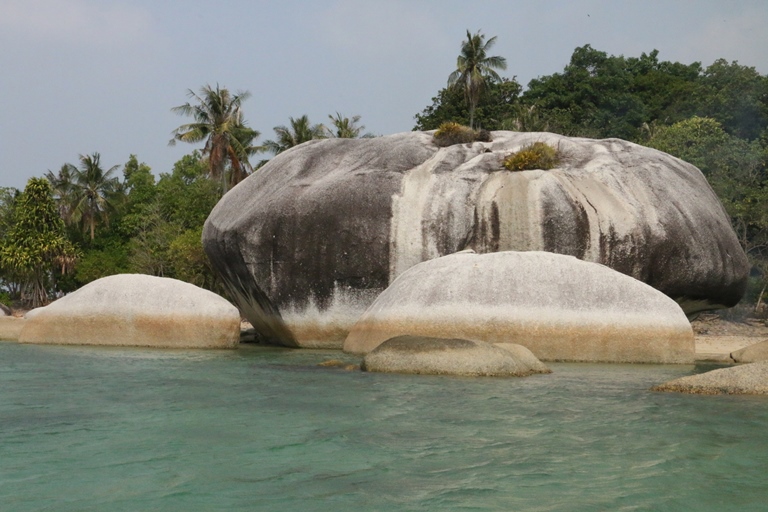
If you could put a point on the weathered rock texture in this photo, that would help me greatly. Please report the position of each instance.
(752, 354)
(5, 310)
(10, 328)
(436, 356)
(136, 310)
(308, 241)
(747, 379)
(559, 307)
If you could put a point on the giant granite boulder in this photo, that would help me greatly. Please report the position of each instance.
(136, 310)
(307, 243)
(559, 307)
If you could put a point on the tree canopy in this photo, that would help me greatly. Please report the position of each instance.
(218, 120)
(36, 243)
(473, 68)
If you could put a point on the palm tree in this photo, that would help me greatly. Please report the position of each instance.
(473, 67)
(93, 192)
(63, 189)
(219, 121)
(300, 131)
(346, 128)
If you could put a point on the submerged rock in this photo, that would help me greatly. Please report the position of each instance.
(752, 354)
(436, 356)
(308, 242)
(747, 379)
(136, 310)
(559, 307)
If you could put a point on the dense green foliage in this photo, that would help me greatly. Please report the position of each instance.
(36, 243)
(498, 102)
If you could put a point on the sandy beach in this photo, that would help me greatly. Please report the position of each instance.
(716, 338)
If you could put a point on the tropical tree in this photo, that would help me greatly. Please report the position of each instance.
(300, 131)
(36, 243)
(63, 189)
(473, 67)
(346, 128)
(93, 192)
(218, 120)
(498, 102)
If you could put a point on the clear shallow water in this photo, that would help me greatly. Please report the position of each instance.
(98, 429)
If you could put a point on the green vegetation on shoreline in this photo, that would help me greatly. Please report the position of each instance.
(715, 117)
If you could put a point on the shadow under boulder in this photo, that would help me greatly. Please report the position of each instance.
(439, 356)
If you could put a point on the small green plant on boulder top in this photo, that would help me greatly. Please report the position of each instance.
(538, 155)
(450, 133)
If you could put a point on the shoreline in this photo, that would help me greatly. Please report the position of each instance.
(714, 340)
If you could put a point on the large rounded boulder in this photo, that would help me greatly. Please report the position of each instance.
(307, 243)
(559, 307)
(136, 310)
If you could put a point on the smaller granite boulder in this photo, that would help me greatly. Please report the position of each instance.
(752, 354)
(439, 356)
(559, 307)
(748, 379)
(136, 310)
(5, 310)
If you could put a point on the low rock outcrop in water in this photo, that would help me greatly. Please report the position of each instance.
(307, 243)
(752, 354)
(136, 310)
(747, 379)
(559, 307)
(436, 356)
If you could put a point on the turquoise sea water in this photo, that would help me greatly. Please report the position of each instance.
(101, 429)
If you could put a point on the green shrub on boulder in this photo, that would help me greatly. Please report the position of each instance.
(450, 133)
(538, 155)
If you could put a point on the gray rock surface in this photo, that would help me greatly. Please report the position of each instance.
(436, 356)
(747, 379)
(136, 310)
(5, 310)
(559, 307)
(307, 243)
(752, 354)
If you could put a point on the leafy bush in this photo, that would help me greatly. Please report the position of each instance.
(538, 155)
(450, 133)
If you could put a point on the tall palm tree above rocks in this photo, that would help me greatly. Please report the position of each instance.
(218, 120)
(93, 192)
(299, 131)
(473, 67)
(63, 188)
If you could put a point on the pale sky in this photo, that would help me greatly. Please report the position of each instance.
(80, 76)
